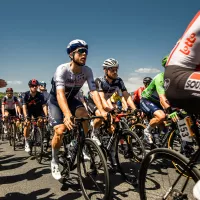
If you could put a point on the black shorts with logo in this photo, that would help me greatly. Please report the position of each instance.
(55, 113)
(11, 112)
(182, 88)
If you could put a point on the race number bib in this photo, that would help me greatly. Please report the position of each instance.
(185, 130)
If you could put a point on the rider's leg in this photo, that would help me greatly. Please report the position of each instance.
(27, 125)
(82, 112)
(6, 114)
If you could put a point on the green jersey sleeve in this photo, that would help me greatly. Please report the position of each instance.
(159, 83)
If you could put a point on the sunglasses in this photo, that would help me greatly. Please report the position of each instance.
(112, 69)
(82, 50)
(33, 86)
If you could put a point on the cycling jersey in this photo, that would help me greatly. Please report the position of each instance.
(186, 53)
(33, 103)
(65, 79)
(46, 95)
(108, 89)
(10, 103)
(155, 88)
(138, 95)
(115, 97)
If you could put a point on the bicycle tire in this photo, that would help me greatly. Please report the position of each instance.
(126, 168)
(13, 136)
(93, 147)
(1, 131)
(166, 154)
(138, 129)
(38, 142)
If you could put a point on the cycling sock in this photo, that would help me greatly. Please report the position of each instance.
(55, 155)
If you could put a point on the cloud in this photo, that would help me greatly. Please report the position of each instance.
(14, 82)
(147, 70)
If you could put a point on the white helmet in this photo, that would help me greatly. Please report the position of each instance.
(110, 62)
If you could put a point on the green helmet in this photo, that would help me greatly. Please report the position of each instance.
(164, 60)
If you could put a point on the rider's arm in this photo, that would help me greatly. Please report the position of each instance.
(24, 106)
(24, 110)
(124, 104)
(93, 90)
(44, 106)
(3, 107)
(159, 82)
(163, 101)
(18, 109)
(110, 103)
(97, 100)
(62, 102)
(128, 99)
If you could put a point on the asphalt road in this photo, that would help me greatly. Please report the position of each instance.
(22, 178)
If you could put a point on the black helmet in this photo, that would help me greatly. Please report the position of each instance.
(33, 82)
(147, 80)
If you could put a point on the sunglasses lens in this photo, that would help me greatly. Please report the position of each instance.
(81, 51)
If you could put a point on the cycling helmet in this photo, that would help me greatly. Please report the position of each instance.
(110, 62)
(20, 94)
(42, 83)
(74, 44)
(147, 80)
(33, 82)
(164, 60)
(9, 90)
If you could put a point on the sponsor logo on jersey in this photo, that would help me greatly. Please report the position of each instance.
(193, 82)
(189, 42)
(166, 83)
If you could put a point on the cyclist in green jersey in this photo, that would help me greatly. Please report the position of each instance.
(153, 102)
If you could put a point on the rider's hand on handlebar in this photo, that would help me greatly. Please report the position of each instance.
(67, 121)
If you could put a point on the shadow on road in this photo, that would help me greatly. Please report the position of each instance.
(32, 174)
(31, 196)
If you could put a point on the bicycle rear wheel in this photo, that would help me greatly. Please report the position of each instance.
(93, 174)
(129, 153)
(158, 178)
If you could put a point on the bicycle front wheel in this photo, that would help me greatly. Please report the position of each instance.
(129, 153)
(93, 172)
(158, 178)
(38, 145)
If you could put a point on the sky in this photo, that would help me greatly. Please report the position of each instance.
(34, 36)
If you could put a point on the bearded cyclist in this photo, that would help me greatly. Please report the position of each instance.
(153, 103)
(107, 86)
(66, 83)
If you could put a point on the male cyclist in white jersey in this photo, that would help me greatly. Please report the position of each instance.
(66, 83)
(10, 107)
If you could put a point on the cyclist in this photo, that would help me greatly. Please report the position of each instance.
(10, 107)
(67, 81)
(182, 76)
(138, 93)
(2, 83)
(107, 86)
(43, 90)
(34, 105)
(152, 103)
